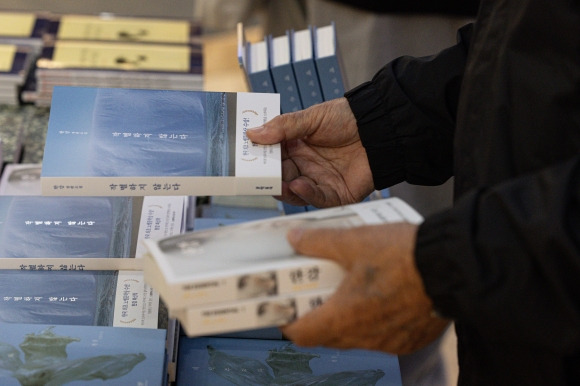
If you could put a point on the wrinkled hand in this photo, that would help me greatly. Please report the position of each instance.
(323, 161)
(381, 303)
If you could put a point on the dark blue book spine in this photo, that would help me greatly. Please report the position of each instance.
(330, 77)
(308, 83)
(286, 86)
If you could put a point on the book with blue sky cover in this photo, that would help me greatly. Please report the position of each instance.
(33, 354)
(136, 142)
(227, 361)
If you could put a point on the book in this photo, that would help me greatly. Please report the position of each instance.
(131, 142)
(327, 59)
(249, 314)
(108, 27)
(20, 179)
(15, 62)
(254, 259)
(117, 64)
(25, 28)
(305, 67)
(283, 73)
(226, 361)
(76, 355)
(258, 67)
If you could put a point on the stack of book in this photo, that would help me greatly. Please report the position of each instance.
(246, 276)
(20, 42)
(303, 66)
(109, 51)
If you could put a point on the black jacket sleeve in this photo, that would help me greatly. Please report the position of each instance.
(459, 8)
(406, 116)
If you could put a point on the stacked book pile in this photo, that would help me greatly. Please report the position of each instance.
(20, 42)
(108, 51)
(303, 66)
(246, 276)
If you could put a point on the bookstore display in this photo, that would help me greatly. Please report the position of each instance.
(139, 239)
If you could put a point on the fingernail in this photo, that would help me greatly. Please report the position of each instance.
(257, 129)
(294, 235)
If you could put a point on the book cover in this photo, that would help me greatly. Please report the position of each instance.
(305, 67)
(109, 27)
(130, 142)
(254, 259)
(327, 59)
(250, 314)
(20, 180)
(258, 67)
(80, 355)
(283, 73)
(224, 361)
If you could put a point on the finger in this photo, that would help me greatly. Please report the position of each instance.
(283, 128)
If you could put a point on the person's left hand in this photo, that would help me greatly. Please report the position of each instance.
(381, 303)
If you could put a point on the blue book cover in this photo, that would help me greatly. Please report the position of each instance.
(327, 61)
(283, 73)
(138, 142)
(226, 361)
(74, 227)
(305, 68)
(81, 355)
(258, 67)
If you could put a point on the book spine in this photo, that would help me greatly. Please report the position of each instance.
(250, 314)
(300, 275)
(308, 83)
(286, 86)
(261, 82)
(330, 77)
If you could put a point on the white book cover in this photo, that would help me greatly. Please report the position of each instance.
(139, 142)
(254, 259)
(249, 314)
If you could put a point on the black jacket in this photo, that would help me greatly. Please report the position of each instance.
(500, 111)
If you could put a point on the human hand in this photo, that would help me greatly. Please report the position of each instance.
(323, 161)
(381, 303)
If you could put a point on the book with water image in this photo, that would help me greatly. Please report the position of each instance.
(32, 354)
(70, 233)
(254, 259)
(130, 142)
(227, 361)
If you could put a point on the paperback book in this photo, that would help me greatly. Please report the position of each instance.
(254, 259)
(228, 361)
(34, 354)
(130, 142)
(109, 27)
(251, 314)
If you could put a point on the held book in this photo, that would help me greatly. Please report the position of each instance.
(131, 142)
(254, 259)
(225, 361)
(245, 315)
(34, 354)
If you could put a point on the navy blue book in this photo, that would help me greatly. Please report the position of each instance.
(138, 142)
(226, 361)
(258, 67)
(283, 73)
(81, 355)
(305, 67)
(327, 60)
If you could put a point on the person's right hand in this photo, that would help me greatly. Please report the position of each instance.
(324, 163)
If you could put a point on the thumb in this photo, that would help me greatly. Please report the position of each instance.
(282, 128)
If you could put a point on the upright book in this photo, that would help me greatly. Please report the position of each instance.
(283, 73)
(302, 46)
(327, 59)
(254, 259)
(130, 142)
(80, 355)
